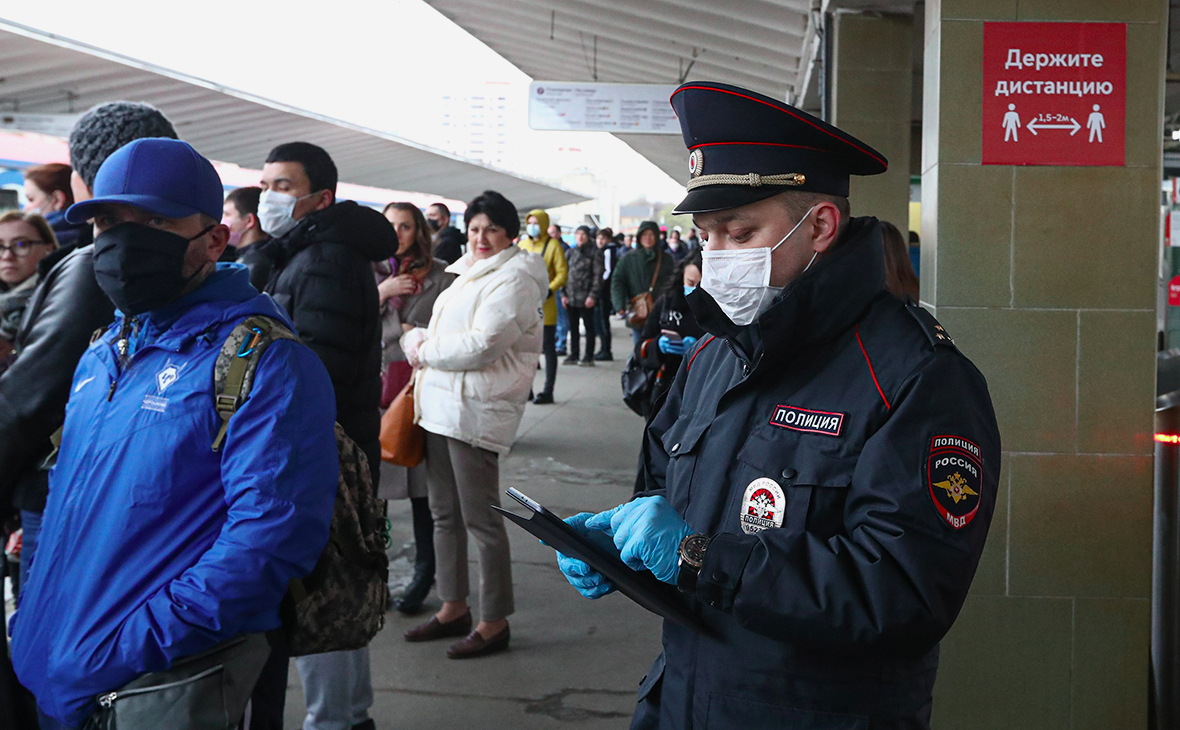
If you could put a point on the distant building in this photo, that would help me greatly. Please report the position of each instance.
(630, 216)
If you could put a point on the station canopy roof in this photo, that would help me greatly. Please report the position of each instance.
(44, 74)
(752, 43)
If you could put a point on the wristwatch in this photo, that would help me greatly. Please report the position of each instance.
(692, 555)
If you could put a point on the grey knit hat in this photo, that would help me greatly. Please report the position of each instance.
(107, 127)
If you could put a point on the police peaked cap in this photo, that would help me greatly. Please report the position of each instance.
(745, 147)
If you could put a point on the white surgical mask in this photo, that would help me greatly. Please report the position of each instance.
(533, 229)
(739, 281)
(276, 212)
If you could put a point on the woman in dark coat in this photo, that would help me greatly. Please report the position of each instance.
(671, 330)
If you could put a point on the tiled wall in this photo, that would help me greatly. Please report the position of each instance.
(872, 88)
(1046, 278)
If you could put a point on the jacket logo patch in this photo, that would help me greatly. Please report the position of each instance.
(154, 403)
(763, 506)
(808, 421)
(955, 479)
(166, 377)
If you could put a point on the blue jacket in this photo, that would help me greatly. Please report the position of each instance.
(153, 546)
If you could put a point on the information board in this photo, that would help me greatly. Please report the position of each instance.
(590, 107)
(1054, 93)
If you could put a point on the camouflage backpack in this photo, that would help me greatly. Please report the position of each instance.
(341, 604)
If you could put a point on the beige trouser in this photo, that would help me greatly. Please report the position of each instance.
(464, 481)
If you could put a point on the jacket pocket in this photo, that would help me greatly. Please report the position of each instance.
(682, 438)
(814, 483)
(730, 712)
(681, 444)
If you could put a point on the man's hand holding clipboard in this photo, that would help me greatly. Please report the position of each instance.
(604, 566)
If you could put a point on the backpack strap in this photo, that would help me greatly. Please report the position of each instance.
(233, 373)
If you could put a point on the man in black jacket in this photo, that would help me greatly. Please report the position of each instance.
(322, 256)
(820, 479)
(448, 240)
(63, 313)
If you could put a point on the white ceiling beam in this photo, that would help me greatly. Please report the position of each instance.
(547, 63)
(661, 20)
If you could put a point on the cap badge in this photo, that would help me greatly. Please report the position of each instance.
(763, 506)
(696, 163)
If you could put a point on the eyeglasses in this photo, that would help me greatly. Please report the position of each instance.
(20, 248)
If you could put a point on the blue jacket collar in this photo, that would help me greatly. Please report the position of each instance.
(224, 296)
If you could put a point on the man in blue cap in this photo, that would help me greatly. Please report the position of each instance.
(156, 546)
(820, 479)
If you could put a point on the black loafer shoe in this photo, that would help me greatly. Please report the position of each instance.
(434, 629)
(475, 645)
(543, 399)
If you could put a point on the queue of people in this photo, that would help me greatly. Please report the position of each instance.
(144, 309)
(117, 296)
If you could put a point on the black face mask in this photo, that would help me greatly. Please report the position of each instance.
(432, 223)
(141, 268)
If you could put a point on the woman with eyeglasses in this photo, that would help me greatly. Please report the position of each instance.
(25, 239)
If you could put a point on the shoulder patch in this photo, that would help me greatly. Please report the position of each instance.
(934, 331)
(954, 475)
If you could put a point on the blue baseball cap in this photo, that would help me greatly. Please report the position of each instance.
(163, 176)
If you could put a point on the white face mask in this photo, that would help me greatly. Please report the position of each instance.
(276, 212)
(739, 281)
(533, 229)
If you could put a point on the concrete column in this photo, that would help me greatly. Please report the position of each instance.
(872, 93)
(1046, 278)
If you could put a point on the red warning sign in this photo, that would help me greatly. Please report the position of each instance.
(1174, 292)
(1054, 93)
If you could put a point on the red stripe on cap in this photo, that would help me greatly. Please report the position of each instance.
(759, 144)
(785, 111)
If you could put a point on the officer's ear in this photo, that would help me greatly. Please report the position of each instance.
(825, 227)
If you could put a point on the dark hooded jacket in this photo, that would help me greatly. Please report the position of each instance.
(323, 276)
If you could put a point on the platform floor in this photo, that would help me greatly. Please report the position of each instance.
(573, 663)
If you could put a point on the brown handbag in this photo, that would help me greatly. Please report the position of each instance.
(402, 439)
(642, 304)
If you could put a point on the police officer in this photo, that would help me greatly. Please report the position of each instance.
(821, 477)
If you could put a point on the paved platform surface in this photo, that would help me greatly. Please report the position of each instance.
(573, 663)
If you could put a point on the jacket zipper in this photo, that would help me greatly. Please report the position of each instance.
(123, 346)
(745, 363)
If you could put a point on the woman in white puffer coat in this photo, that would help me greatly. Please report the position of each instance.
(475, 365)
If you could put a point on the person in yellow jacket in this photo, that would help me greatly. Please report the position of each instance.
(537, 241)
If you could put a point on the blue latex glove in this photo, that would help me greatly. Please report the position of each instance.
(647, 531)
(589, 582)
(689, 343)
(668, 347)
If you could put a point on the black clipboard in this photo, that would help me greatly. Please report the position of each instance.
(640, 586)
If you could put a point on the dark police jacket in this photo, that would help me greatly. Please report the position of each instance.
(845, 457)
